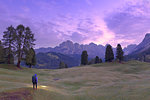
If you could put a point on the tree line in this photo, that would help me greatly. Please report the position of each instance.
(109, 56)
(17, 43)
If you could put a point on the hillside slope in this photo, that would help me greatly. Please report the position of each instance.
(106, 81)
(141, 51)
(51, 60)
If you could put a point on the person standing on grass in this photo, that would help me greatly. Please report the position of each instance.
(34, 81)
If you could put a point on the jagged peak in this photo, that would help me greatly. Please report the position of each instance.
(147, 34)
(66, 42)
(76, 44)
(93, 44)
(146, 38)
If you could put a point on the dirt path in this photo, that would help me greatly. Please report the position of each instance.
(19, 94)
(26, 93)
(49, 88)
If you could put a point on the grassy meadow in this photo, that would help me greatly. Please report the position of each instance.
(105, 81)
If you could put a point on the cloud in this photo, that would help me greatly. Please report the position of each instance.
(88, 2)
(54, 22)
(44, 31)
(50, 31)
(76, 37)
(82, 29)
(25, 9)
(131, 21)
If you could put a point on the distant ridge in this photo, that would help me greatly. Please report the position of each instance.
(144, 45)
(141, 51)
(70, 53)
(68, 47)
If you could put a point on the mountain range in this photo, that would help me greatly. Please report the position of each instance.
(68, 47)
(141, 51)
(70, 53)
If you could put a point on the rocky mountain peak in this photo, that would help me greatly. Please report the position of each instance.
(93, 44)
(144, 45)
(66, 43)
(68, 47)
(146, 40)
(147, 37)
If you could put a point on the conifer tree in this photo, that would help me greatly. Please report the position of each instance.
(97, 60)
(8, 59)
(119, 53)
(66, 66)
(84, 58)
(30, 58)
(62, 65)
(100, 60)
(8, 42)
(1, 53)
(24, 41)
(109, 55)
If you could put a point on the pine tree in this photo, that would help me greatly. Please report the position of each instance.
(62, 65)
(119, 53)
(84, 58)
(8, 59)
(100, 60)
(97, 60)
(24, 41)
(1, 53)
(34, 59)
(30, 58)
(109, 55)
(66, 66)
(8, 42)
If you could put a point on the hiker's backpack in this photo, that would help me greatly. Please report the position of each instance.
(33, 79)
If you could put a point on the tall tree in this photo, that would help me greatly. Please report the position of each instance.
(8, 59)
(62, 65)
(109, 55)
(97, 60)
(100, 60)
(24, 41)
(8, 42)
(1, 53)
(30, 58)
(119, 53)
(66, 66)
(84, 58)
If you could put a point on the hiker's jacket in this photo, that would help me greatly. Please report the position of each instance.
(34, 79)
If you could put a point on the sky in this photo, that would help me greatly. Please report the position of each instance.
(82, 21)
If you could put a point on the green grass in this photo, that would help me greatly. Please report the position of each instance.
(105, 81)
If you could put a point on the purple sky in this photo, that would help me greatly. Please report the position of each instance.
(83, 21)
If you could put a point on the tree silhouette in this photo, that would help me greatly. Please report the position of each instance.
(109, 55)
(119, 53)
(30, 58)
(9, 43)
(84, 58)
(97, 60)
(24, 41)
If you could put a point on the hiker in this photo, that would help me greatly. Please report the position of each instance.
(34, 81)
